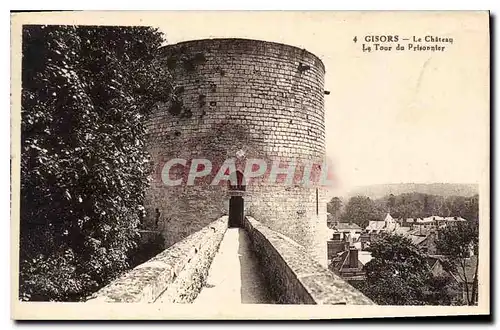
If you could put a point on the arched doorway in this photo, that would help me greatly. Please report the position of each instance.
(236, 202)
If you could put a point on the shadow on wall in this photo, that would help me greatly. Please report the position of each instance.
(150, 245)
(254, 289)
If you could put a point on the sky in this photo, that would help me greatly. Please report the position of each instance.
(391, 117)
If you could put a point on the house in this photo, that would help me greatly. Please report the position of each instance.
(426, 242)
(388, 225)
(421, 231)
(464, 279)
(364, 257)
(348, 231)
(349, 264)
(335, 245)
(341, 235)
(425, 223)
(408, 222)
(365, 239)
(402, 230)
(375, 227)
(434, 221)
(449, 221)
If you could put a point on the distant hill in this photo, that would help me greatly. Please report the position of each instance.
(441, 189)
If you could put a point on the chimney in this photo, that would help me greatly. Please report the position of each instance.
(334, 248)
(353, 257)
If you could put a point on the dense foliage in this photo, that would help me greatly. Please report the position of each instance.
(424, 205)
(399, 274)
(360, 210)
(84, 168)
(334, 209)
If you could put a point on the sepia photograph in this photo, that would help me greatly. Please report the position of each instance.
(250, 165)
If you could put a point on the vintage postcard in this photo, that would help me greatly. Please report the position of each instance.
(250, 165)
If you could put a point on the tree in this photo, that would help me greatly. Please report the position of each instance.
(471, 209)
(398, 273)
(391, 203)
(427, 212)
(417, 205)
(334, 206)
(458, 243)
(441, 290)
(84, 167)
(360, 210)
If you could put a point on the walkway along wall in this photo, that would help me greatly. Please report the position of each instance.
(178, 274)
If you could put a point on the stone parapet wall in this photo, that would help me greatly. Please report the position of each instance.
(293, 276)
(175, 275)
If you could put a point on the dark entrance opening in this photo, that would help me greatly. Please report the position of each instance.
(236, 211)
(236, 202)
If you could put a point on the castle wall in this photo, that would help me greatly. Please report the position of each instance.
(240, 97)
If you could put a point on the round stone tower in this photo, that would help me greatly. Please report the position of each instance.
(238, 99)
